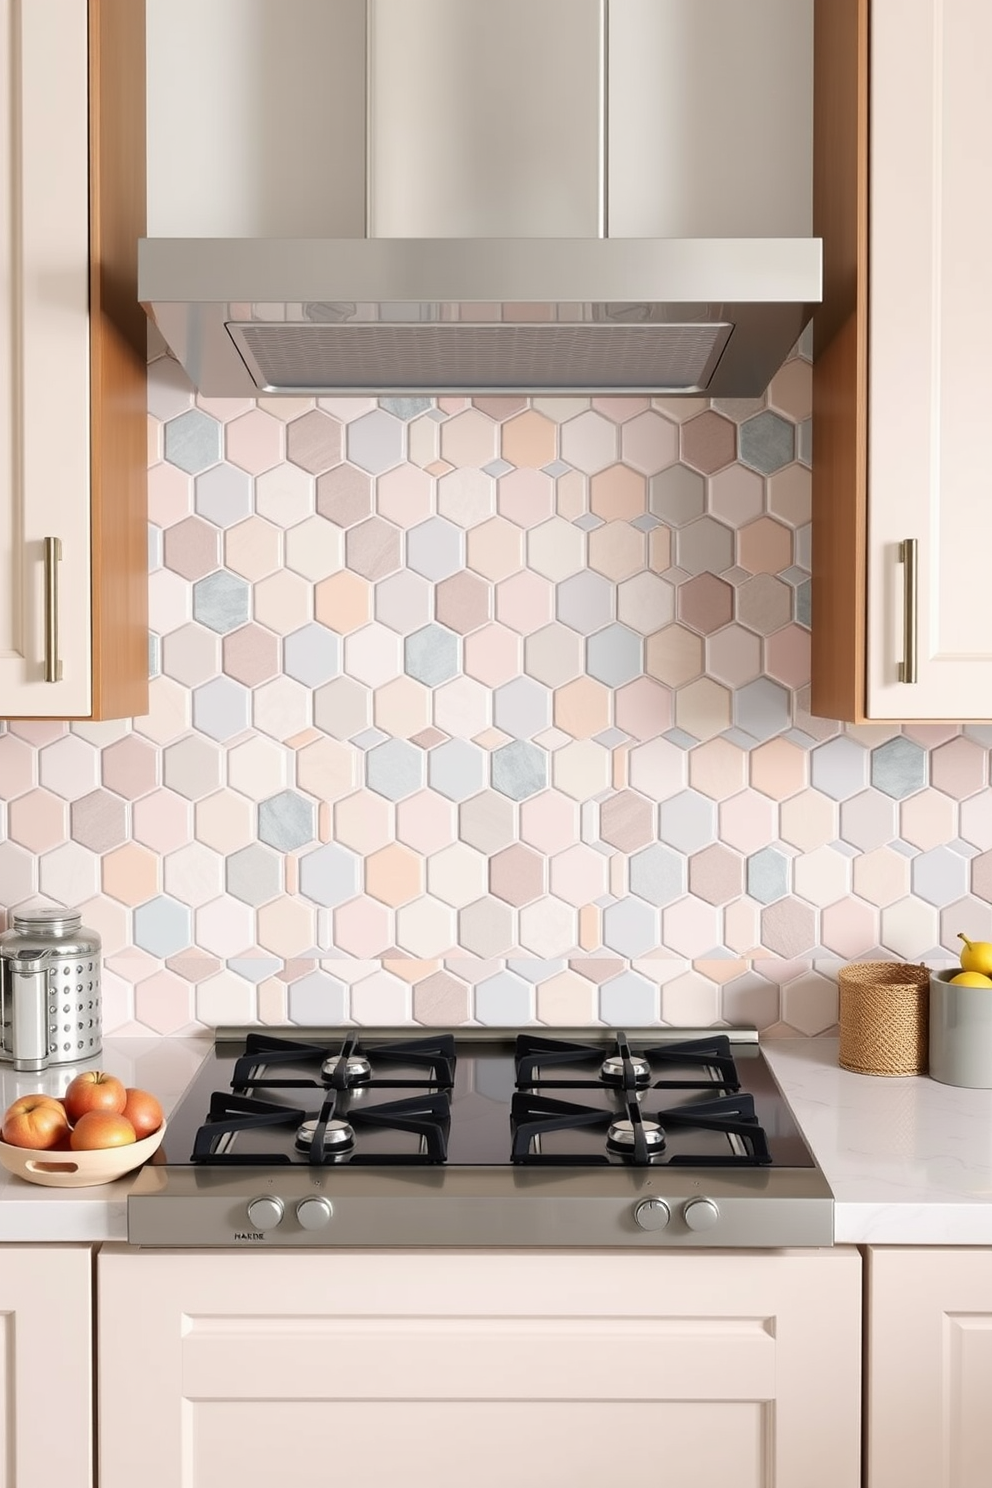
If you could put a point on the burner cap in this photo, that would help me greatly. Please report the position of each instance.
(612, 1070)
(338, 1136)
(357, 1068)
(621, 1134)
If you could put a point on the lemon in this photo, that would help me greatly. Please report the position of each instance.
(971, 979)
(976, 956)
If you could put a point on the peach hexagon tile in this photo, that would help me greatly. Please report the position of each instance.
(673, 655)
(494, 549)
(224, 926)
(764, 546)
(441, 1000)
(736, 495)
(516, 875)
(381, 999)
(163, 1002)
(529, 440)
(37, 731)
(285, 926)
(778, 769)
(394, 875)
(747, 822)
(525, 497)
(706, 603)
(191, 548)
(465, 497)
(553, 655)
(579, 875)
(787, 656)
(250, 655)
(162, 821)
(791, 390)
(492, 655)
(254, 441)
(958, 768)
(718, 769)
(643, 708)
(556, 549)
(589, 442)
(716, 874)
(618, 494)
(457, 875)
(928, 819)
(524, 603)
(170, 495)
(225, 821)
(403, 496)
(426, 927)
(849, 927)
(461, 707)
(314, 548)
(38, 820)
(808, 820)
(582, 708)
(790, 495)
(343, 602)
(788, 928)
(690, 927)
(764, 604)
(253, 548)
(617, 550)
(549, 822)
(130, 874)
(703, 709)
(425, 821)
(462, 603)
(566, 1000)
(17, 767)
(284, 495)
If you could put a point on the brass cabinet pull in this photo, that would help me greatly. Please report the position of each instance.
(53, 557)
(908, 552)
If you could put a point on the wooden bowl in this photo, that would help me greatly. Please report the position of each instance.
(78, 1169)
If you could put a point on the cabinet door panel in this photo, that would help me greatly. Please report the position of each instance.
(44, 346)
(930, 375)
(437, 1370)
(45, 1439)
(929, 1375)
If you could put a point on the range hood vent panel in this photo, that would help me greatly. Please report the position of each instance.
(306, 358)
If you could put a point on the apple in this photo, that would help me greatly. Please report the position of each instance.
(97, 1129)
(94, 1091)
(34, 1121)
(143, 1111)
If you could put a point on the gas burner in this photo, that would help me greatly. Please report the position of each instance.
(357, 1068)
(621, 1136)
(612, 1072)
(339, 1136)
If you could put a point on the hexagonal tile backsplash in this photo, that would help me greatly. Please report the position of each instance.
(489, 711)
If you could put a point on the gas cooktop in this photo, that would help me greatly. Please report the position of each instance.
(482, 1137)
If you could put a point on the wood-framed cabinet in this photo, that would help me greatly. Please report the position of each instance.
(73, 446)
(46, 1366)
(902, 382)
(436, 1369)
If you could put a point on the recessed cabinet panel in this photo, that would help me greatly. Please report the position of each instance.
(44, 347)
(710, 118)
(485, 120)
(930, 328)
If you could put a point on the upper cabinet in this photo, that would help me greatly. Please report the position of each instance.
(902, 381)
(73, 455)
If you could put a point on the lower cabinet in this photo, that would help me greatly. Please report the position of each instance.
(46, 1438)
(442, 1370)
(929, 1368)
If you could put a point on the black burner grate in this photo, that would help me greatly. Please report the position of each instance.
(534, 1055)
(265, 1055)
(533, 1116)
(426, 1116)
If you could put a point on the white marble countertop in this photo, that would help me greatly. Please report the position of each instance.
(909, 1160)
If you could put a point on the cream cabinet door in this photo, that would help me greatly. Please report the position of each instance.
(46, 1397)
(436, 1370)
(930, 369)
(44, 354)
(929, 1377)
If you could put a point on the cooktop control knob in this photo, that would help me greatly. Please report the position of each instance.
(314, 1213)
(652, 1214)
(265, 1212)
(700, 1214)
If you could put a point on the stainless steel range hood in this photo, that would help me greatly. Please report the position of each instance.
(557, 196)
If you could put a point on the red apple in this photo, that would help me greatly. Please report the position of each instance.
(143, 1111)
(98, 1129)
(34, 1121)
(94, 1091)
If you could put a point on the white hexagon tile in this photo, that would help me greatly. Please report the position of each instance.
(491, 711)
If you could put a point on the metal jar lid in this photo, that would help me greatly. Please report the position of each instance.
(46, 920)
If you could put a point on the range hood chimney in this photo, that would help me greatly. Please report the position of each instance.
(524, 196)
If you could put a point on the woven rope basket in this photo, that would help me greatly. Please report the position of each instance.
(884, 1017)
